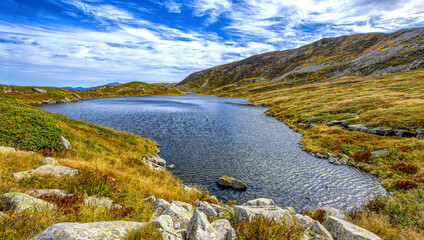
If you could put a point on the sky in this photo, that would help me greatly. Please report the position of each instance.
(93, 42)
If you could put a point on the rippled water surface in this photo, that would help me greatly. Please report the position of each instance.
(207, 137)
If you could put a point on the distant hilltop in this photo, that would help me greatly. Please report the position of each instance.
(355, 55)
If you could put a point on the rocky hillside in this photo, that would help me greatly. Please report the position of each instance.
(355, 55)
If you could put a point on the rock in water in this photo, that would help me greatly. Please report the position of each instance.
(229, 182)
(341, 229)
(65, 143)
(88, 231)
(20, 202)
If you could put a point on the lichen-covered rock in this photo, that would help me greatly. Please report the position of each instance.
(165, 226)
(318, 231)
(39, 90)
(179, 215)
(260, 202)
(48, 161)
(223, 212)
(101, 202)
(243, 212)
(228, 182)
(7, 149)
(199, 228)
(206, 208)
(159, 206)
(305, 222)
(341, 229)
(150, 199)
(55, 170)
(223, 229)
(47, 192)
(19, 175)
(184, 205)
(65, 143)
(334, 212)
(20, 202)
(88, 231)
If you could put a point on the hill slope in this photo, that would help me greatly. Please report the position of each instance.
(355, 55)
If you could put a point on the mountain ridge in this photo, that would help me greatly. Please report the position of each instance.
(352, 55)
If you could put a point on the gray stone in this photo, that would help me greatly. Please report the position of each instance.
(343, 156)
(179, 215)
(305, 222)
(20, 202)
(76, 95)
(420, 132)
(243, 212)
(378, 152)
(101, 202)
(384, 131)
(206, 208)
(334, 212)
(357, 127)
(48, 192)
(227, 182)
(223, 212)
(184, 205)
(7, 149)
(88, 231)
(65, 143)
(199, 228)
(260, 202)
(150, 199)
(39, 90)
(159, 206)
(49, 161)
(19, 175)
(223, 229)
(55, 170)
(317, 229)
(341, 229)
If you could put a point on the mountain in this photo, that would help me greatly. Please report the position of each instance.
(77, 88)
(355, 55)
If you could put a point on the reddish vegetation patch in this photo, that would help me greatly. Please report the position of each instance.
(362, 157)
(319, 215)
(410, 149)
(404, 184)
(405, 168)
(419, 179)
(123, 212)
(65, 204)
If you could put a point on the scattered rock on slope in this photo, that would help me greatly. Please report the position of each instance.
(20, 202)
(39, 90)
(341, 229)
(65, 143)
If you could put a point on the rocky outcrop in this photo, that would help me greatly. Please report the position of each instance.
(39, 90)
(199, 227)
(223, 229)
(263, 207)
(65, 143)
(76, 95)
(88, 231)
(229, 182)
(341, 229)
(179, 215)
(20, 202)
(155, 163)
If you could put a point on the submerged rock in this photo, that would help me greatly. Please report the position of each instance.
(89, 231)
(229, 182)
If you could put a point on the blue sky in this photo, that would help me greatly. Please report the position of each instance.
(93, 42)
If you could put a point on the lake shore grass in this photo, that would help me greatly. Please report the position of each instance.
(393, 100)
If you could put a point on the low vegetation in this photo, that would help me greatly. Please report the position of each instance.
(393, 100)
(262, 228)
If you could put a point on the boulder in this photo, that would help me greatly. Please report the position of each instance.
(20, 202)
(76, 95)
(341, 229)
(334, 212)
(260, 202)
(65, 143)
(223, 212)
(184, 205)
(39, 90)
(157, 160)
(150, 199)
(228, 182)
(199, 228)
(404, 133)
(19, 175)
(101, 202)
(243, 212)
(223, 229)
(206, 208)
(420, 132)
(47, 192)
(318, 231)
(55, 170)
(89, 231)
(49, 161)
(159, 206)
(383, 131)
(166, 229)
(378, 152)
(357, 127)
(305, 222)
(7, 149)
(179, 215)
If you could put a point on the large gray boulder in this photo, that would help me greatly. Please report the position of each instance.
(159, 206)
(341, 229)
(206, 208)
(88, 231)
(223, 229)
(199, 228)
(20, 202)
(165, 226)
(228, 182)
(264, 208)
(334, 212)
(55, 170)
(318, 231)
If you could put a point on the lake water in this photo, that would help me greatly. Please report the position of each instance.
(207, 137)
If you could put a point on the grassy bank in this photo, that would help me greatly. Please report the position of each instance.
(110, 164)
(394, 100)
